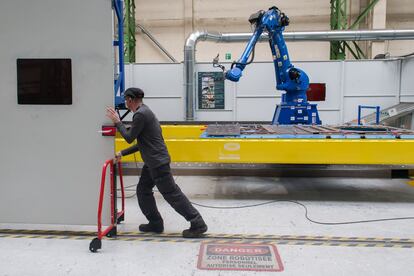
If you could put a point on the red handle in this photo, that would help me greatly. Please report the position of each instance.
(114, 216)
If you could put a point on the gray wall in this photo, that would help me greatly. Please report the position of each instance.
(52, 155)
(253, 98)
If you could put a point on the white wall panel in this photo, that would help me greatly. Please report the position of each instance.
(258, 79)
(254, 97)
(372, 78)
(167, 109)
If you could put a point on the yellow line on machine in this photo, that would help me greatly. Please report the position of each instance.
(217, 238)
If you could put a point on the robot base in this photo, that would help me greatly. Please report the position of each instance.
(305, 114)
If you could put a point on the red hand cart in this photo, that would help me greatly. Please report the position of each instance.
(116, 217)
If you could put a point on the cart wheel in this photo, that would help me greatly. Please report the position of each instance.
(95, 245)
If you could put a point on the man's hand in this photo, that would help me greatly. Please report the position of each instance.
(112, 114)
(118, 157)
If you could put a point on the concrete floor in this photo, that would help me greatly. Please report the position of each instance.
(327, 199)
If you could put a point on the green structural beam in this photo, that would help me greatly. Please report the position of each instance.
(339, 21)
(364, 13)
(129, 31)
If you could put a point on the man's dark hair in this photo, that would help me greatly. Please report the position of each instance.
(134, 92)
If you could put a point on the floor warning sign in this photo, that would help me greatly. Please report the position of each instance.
(263, 257)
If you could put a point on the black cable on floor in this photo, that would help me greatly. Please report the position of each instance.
(306, 212)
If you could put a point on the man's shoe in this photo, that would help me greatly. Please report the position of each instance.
(197, 229)
(152, 226)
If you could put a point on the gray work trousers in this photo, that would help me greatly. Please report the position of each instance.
(163, 179)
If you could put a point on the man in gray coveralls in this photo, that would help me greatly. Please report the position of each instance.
(156, 171)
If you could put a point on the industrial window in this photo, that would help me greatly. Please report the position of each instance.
(44, 81)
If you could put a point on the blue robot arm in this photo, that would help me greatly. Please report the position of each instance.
(294, 108)
(237, 68)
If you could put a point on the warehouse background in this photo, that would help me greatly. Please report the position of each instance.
(170, 22)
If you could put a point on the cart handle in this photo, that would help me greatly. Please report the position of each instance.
(114, 216)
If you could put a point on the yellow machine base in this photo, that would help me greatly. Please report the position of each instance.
(184, 145)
